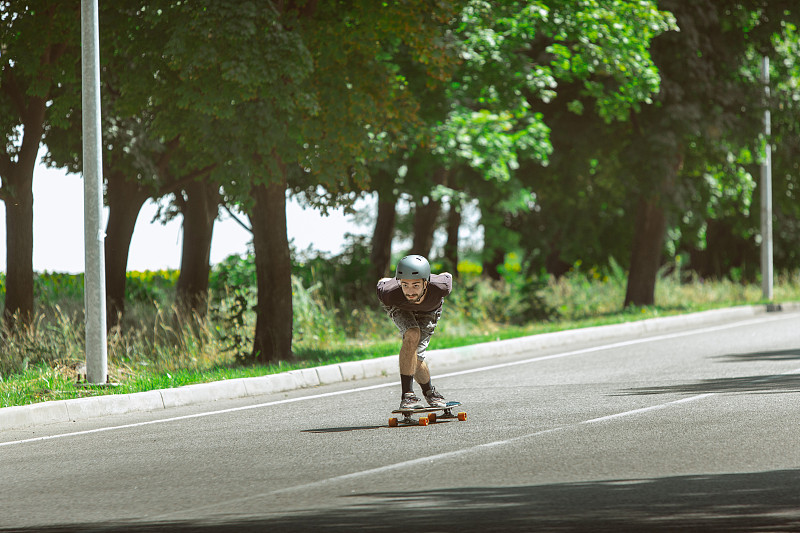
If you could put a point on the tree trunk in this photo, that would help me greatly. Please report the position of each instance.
(451, 247)
(274, 313)
(19, 218)
(648, 243)
(381, 255)
(425, 218)
(125, 200)
(16, 173)
(491, 264)
(494, 239)
(200, 208)
(19, 249)
(553, 263)
(648, 238)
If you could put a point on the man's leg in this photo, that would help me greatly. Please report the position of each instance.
(423, 375)
(408, 358)
(413, 366)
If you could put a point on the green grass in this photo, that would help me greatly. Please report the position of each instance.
(154, 350)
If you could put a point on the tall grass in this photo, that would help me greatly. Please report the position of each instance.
(156, 347)
(592, 293)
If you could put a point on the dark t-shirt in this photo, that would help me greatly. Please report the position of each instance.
(391, 295)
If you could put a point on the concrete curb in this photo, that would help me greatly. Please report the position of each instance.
(85, 408)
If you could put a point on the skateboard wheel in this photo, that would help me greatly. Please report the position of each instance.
(462, 416)
(423, 421)
(392, 422)
(432, 418)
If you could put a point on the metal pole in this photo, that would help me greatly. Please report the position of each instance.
(766, 194)
(93, 235)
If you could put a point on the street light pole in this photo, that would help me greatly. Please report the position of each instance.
(93, 236)
(766, 194)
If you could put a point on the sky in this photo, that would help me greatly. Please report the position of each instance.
(58, 230)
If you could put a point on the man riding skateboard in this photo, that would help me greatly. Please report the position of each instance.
(413, 300)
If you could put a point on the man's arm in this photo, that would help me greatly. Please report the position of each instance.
(445, 284)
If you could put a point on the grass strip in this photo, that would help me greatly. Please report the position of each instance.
(44, 382)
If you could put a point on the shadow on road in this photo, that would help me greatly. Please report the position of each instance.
(755, 384)
(733, 503)
(773, 383)
(341, 429)
(778, 355)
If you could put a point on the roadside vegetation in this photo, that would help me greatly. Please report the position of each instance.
(608, 152)
(336, 318)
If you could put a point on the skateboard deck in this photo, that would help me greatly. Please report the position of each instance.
(447, 412)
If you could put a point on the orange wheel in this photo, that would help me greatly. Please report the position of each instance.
(423, 421)
(392, 422)
(462, 416)
(432, 418)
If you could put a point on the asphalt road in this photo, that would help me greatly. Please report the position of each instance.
(691, 430)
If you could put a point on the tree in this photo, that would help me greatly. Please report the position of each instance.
(361, 104)
(38, 88)
(175, 77)
(139, 162)
(721, 228)
(706, 103)
(196, 59)
(784, 105)
(582, 212)
(199, 204)
(383, 232)
(520, 56)
(450, 255)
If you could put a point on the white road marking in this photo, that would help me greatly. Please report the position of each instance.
(619, 345)
(189, 417)
(393, 384)
(413, 462)
(647, 409)
(438, 457)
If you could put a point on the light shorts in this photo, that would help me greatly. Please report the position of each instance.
(426, 322)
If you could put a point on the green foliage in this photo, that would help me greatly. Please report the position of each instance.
(326, 294)
(40, 61)
(492, 142)
(232, 291)
(374, 64)
(151, 286)
(147, 286)
(342, 279)
(484, 301)
(314, 321)
(584, 293)
(234, 272)
(233, 317)
(518, 53)
(784, 100)
(51, 286)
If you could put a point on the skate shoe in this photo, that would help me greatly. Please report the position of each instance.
(410, 401)
(435, 399)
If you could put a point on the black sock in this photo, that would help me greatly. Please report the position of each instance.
(425, 387)
(407, 383)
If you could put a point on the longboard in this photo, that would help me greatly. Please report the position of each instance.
(447, 412)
